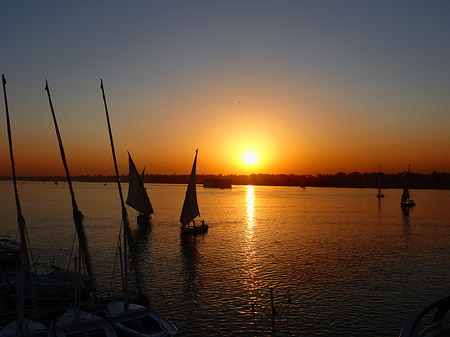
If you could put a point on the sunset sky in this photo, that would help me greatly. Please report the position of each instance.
(300, 87)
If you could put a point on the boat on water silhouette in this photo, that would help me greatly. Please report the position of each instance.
(405, 200)
(190, 209)
(380, 194)
(137, 194)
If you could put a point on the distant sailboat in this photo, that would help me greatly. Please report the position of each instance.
(379, 195)
(21, 326)
(406, 201)
(137, 194)
(127, 318)
(75, 322)
(190, 209)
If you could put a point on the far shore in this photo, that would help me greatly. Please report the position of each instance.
(434, 180)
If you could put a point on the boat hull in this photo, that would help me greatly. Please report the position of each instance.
(194, 230)
(409, 203)
(143, 219)
(88, 324)
(138, 321)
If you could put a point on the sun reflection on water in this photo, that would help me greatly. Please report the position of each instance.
(249, 247)
(250, 209)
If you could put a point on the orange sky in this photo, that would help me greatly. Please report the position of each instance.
(321, 89)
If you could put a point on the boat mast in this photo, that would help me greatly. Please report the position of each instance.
(126, 224)
(77, 215)
(24, 259)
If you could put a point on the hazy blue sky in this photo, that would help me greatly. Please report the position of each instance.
(311, 86)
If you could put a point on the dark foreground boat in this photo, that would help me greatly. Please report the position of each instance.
(438, 326)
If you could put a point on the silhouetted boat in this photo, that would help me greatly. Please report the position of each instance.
(128, 318)
(190, 206)
(437, 326)
(379, 195)
(405, 200)
(137, 194)
(21, 326)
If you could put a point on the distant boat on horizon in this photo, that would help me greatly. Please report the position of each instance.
(380, 194)
(405, 200)
(190, 209)
(137, 194)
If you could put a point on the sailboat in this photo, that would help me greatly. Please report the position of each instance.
(75, 322)
(137, 194)
(132, 319)
(21, 326)
(190, 206)
(380, 194)
(405, 200)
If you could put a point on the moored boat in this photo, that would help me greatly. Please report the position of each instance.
(438, 326)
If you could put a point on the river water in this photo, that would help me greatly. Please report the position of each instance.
(350, 264)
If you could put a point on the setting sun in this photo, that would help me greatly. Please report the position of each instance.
(250, 158)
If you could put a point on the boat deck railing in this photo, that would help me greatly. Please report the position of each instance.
(439, 324)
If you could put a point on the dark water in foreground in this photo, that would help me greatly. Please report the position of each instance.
(354, 266)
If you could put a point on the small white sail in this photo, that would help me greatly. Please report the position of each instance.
(137, 195)
(190, 207)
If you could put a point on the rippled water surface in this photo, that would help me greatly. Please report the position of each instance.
(352, 266)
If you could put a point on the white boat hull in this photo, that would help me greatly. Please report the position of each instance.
(138, 321)
(87, 325)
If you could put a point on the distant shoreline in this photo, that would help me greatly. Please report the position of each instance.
(434, 180)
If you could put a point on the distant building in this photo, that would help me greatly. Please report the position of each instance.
(217, 183)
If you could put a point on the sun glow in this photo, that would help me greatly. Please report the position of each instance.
(250, 158)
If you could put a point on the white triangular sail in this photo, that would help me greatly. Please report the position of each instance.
(137, 195)
(190, 207)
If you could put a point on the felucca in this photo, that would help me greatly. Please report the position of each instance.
(21, 326)
(129, 318)
(405, 200)
(137, 194)
(75, 322)
(190, 209)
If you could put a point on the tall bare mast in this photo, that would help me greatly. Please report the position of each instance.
(126, 225)
(24, 259)
(77, 215)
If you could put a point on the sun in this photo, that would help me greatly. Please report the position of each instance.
(250, 158)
